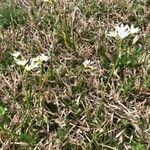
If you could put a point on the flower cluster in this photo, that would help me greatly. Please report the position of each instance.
(122, 32)
(29, 64)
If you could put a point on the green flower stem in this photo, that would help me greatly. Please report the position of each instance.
(110, 75)
(41, 74)
(116, 63)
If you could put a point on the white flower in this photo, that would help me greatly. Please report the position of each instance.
(16, 54)
(133, 30)
(31, 66)
(34, 62)
(113, 34)
(21, 62)
(43, 57)
(122, 31)
(28, 67)
(36, 59)
(136, 38)
(121, 27)
(88, 64)
(123, 34)
(40, 58)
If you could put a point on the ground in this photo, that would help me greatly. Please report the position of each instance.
(93, 92)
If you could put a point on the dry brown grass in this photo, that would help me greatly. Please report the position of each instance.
(70, 107)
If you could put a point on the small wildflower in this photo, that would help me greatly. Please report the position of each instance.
(16, 54)
(133, 30)
(88, 64)
(113, 34)
(121, 27)
(40, 58)
(43, 57)
(34, 62)
(31, 66)
(21, 62)
(120, 32)
(28, 68)
(36, 59)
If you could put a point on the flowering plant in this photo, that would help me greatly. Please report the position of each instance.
(123, 56)
(122, 31)
(29, 64)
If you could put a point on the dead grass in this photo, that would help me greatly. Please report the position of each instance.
(68, 106)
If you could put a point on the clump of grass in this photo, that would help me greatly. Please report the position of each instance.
(5, 61)
(12, 15)
(128, 85)
(138, 146)
(130, 58)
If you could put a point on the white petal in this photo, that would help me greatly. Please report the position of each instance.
(43, 57)
(86, 63)
(134, 30)
(122, 34)
(28, 68)
(135, 39)
(21, 62)
(35, 59)
(112, 34)
(16, 54)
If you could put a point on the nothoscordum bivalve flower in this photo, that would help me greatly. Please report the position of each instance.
(16, 54)
(113, 34)
(32, 63)
(133, 30)
(89, 64)
(36, 59)
(31, 66)
(86, 63)
(40, 58)
(21, 62)
(43, 57)
(122, 31)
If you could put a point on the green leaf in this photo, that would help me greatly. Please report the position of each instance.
(138, 146)
(2, 110)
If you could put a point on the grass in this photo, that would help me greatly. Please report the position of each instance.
(12, 16)
(66, 105)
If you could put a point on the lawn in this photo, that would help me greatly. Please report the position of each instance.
(75, 75)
